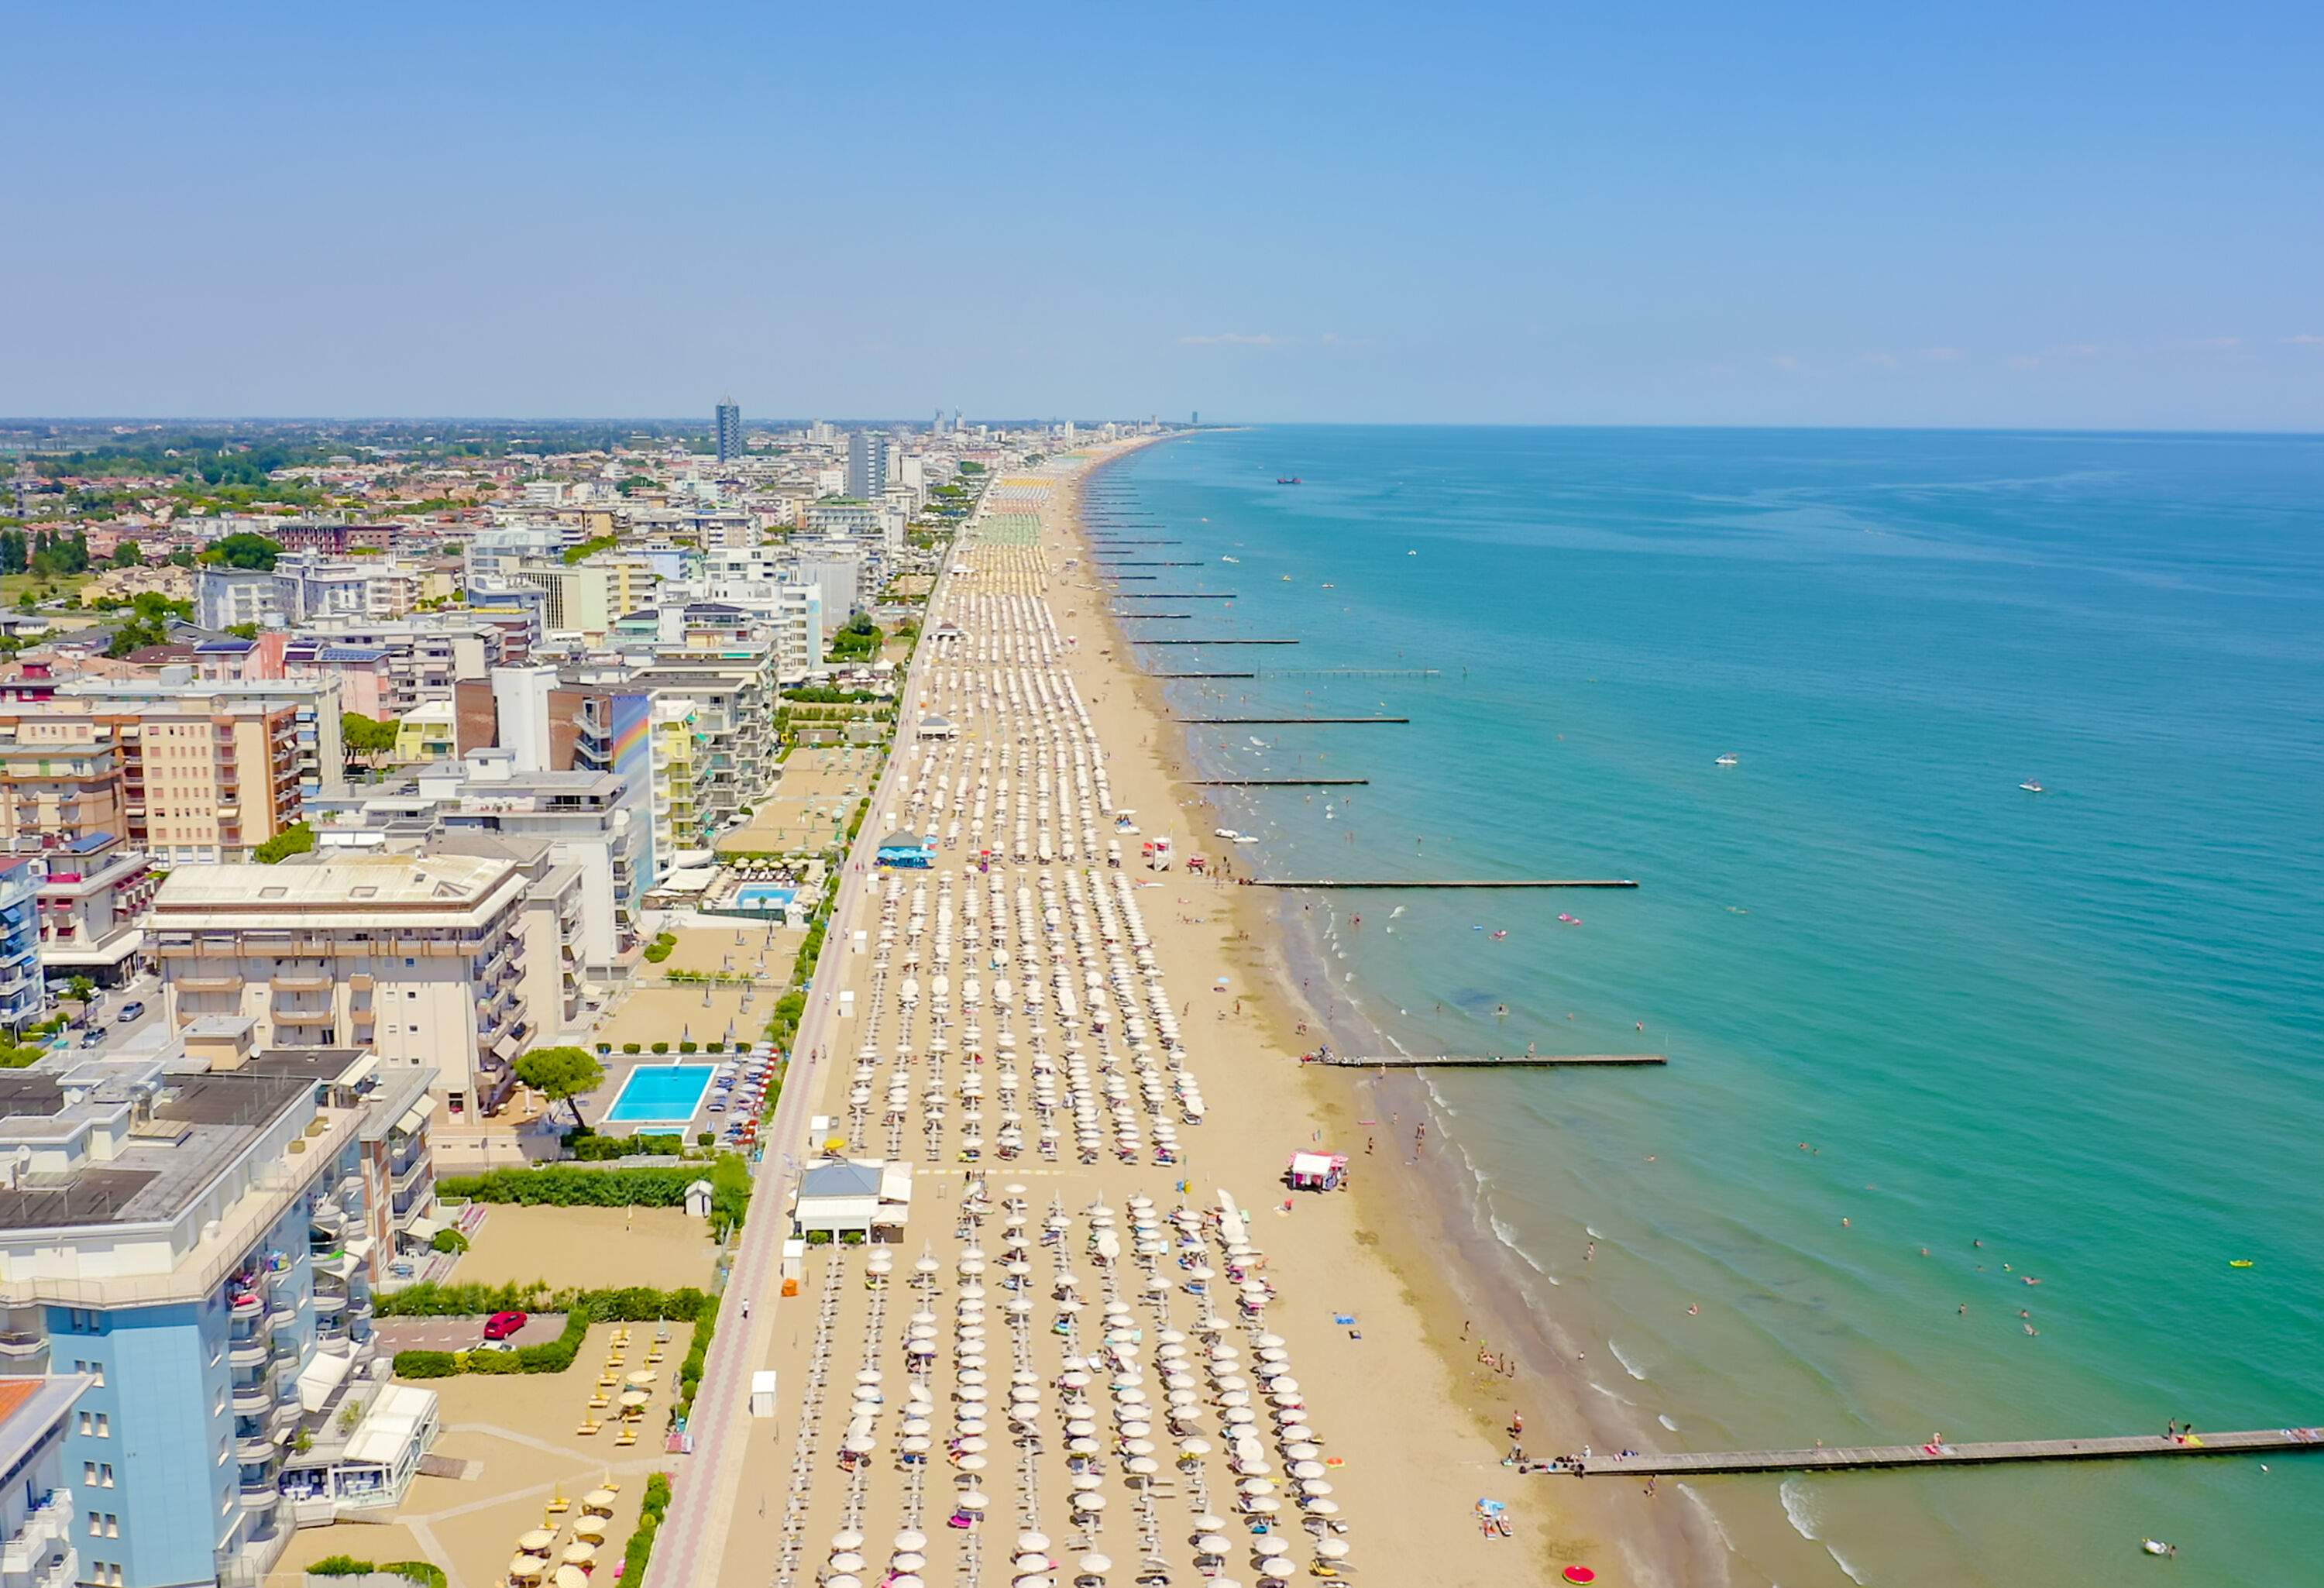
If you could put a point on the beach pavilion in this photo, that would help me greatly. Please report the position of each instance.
(862, 1196)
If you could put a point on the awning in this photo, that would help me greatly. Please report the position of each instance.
(423, 1228)
(104, 955)
(397, 1414)
(322, 1374)
(416, 1115)
(360, 1247)
(1311, 1163)
(508, 1047)
(360, 1071)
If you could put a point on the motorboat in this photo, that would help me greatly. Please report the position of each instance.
(2033, 786)
(1731, 759)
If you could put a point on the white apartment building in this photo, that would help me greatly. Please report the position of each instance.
(418, 957)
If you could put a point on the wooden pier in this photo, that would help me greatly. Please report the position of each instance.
(1230, 721)
(1414, 1061)
(1852, 1457)
(1276, 782)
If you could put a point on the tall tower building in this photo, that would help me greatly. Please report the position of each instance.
(867, 464)
(730, 429)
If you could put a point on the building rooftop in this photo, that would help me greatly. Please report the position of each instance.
(356, 888)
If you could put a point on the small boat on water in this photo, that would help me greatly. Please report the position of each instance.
(2155, 1547)
(2031, 787)
(1571, 920)
(1288, 480)
(1731, 759)
(1229, 560)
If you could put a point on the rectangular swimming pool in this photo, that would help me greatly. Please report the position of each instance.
(764, 896)
(660, 1094)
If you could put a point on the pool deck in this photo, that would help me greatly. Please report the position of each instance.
(628, 1068)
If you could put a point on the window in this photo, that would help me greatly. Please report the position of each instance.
(104, 1425)
(88, 1473)
(105, 1474)
(112, 1526)
(88, 1423)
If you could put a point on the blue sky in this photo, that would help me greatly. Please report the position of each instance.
(1968, 215)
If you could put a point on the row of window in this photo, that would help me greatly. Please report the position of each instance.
(106, 1573)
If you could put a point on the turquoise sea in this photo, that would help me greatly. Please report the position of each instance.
(2081, 1027)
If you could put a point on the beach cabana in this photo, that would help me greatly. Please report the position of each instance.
(904, 852)
(1317, 1171)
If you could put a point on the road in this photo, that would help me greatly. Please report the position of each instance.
(692, 1542)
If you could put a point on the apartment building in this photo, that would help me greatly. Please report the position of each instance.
(38, 1506)
(731, 696)
(314, 703)
(418, 958)
(24, 991)
(91, 905)
(175, 1231)
(187, 779)
(62, 783)
(676, 803)
(425, 653)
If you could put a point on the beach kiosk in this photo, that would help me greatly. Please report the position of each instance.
(1317, 1171)
(763, 1392)
(1156, 854)
(904, 852)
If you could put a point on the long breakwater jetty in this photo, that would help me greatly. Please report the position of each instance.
(1197, 675)
(1407, 883)
(1276, 782)
(1149, 617)
(1174, 595)
(1218, 642)
(1413, 1061)
(1305, 721)
(1845, 1457)
(1151, 562)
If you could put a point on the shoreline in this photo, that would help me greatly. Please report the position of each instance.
(1422, 1221)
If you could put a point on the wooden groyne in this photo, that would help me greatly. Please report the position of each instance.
(1413, 1061)
(1307, 722)
(1396, 882)
(1177, 594)
(1198, 675)
(1847, 1457)
(1276, 782)
(1151, 562)
(1149, 617)
(1218, 642)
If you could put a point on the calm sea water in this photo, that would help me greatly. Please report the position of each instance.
(2081, 1027)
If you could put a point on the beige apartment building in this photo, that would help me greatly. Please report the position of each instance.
(419, 958)
(206, 781)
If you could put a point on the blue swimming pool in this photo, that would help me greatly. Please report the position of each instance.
(764, 896)
(660, 1094)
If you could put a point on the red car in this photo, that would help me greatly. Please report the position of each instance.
(501, 1325)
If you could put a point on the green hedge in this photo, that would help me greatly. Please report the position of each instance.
(628, 1305)
(591, 1147)
(689, 1372)
(641, 1542)
(347, 1565)
(559, 1186)
(635, 1303)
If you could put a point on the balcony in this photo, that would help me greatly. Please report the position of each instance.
(329, 1304)
(252, 1400)
(209, 983)
(258, 1491)
(252, 1449)
(301, 982)
(405, 1168)
(47, 1523)
(23, 1342)
(328, 1217)
(285, 1415)
(249, 1351)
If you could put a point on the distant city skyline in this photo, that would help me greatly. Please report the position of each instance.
(2059, 217)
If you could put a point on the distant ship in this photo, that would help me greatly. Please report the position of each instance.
(1289, 480)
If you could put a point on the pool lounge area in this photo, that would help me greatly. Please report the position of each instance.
(660, 1094)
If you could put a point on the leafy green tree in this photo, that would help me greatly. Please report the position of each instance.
(182, 558)
(16, 551)
(80, 989)
(367, 737)
(561, 1074)
(298, 838)
(243, 630)
(244, 550)
(129, 554)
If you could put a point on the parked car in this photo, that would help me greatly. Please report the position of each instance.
(501, 1325)
(131, 1012)
(91, 1038)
